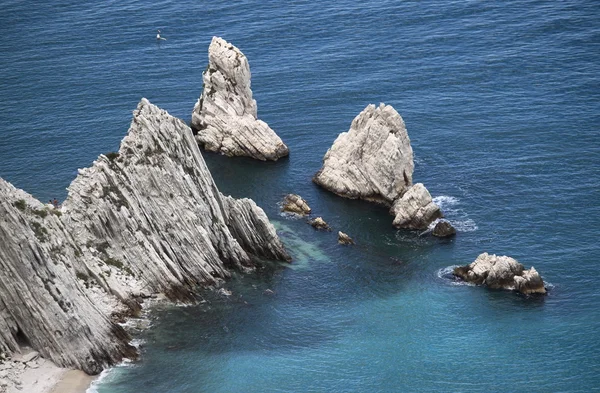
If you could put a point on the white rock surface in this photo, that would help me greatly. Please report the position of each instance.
(416, 209)
(501, 272)
(42, 304)
(293, 203)
(372, 161)
(146, 220)
(225, 116)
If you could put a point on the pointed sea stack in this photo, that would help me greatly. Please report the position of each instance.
(225, 117)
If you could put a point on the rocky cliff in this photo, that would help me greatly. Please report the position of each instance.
(146, 219)
(225, 116)
(42, 302)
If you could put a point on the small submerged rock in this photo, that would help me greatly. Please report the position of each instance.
(501, 272)
(344, 238)
(293, 203)
(319, 223)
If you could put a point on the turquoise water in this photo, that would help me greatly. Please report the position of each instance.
(502, 105)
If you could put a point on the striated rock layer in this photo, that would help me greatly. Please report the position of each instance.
(156, 210)
(225, 116)
(42, 304)
(147, 219)
(501, 272)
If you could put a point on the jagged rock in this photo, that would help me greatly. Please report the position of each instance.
(147, 218)
(156, 209)
(372, 161)
(41, 303)
(344, 238)
(225, 116)
(416, 209)
(293, 203)
(501, 272)
(443, 228)
(319, 223)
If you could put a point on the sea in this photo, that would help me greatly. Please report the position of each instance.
(501, 100)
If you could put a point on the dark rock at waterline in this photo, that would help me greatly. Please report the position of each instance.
(344, 238)
(319, 223)
(501, 272)
(293, 203)
(443, 229)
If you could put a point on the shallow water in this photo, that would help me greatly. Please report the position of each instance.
(501, 102)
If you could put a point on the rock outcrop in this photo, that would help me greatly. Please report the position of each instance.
(293, 203)
(146, 219)
(415, 209)
(501, 272)
(443, 229)
(319, 223)
(372, 161)
(225, 116)
(156, 210)
(344, 238)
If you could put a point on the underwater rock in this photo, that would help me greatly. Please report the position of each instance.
(344, 238)
(372, 161)
(416, 209)
(293, 203)
(443, 228)
(225, 116)
(501, 272)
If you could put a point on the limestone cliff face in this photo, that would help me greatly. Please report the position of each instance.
(372, 161)
(155, 209)
(144, 220)
(225, 116)
(42, 303)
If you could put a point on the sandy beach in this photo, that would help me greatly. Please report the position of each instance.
(29, 373)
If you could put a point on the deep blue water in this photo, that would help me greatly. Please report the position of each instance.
(502, 104)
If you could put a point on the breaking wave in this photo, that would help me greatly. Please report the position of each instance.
(455, 215)
(445, 274)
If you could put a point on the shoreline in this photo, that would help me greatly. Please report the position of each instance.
(35, 374)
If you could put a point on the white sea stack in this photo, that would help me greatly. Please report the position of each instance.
(501, 272)
(372, 161)
(146, 219)
(225, 116)
(415, 209)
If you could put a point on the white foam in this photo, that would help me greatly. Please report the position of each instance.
(445, 274)
(456, 216)
(445, 201)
